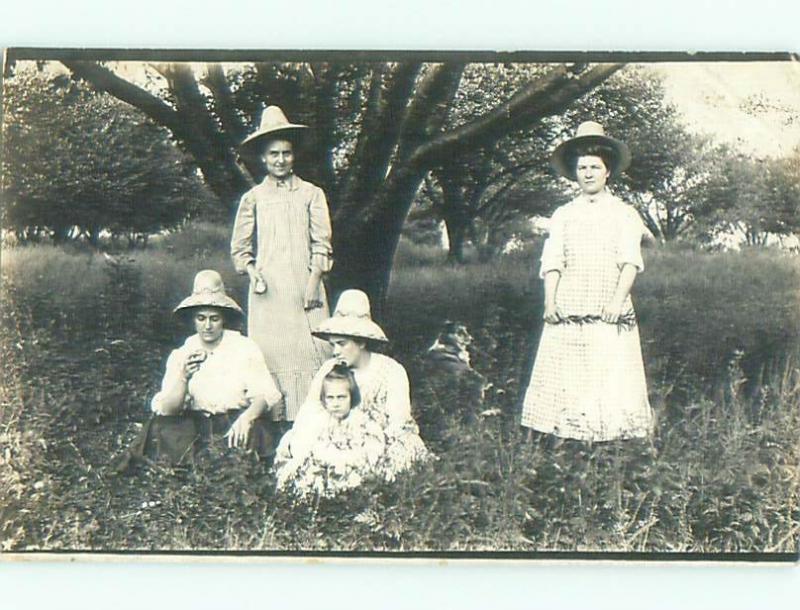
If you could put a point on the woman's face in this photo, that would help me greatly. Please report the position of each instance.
(336, 397)
(592, 174)
(279, 158)
(209, 323)
(348, 351)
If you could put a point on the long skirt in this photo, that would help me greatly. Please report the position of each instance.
(588, 383)
(175, 440)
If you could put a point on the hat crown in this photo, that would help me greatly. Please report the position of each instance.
(590, 128)
(208, 281)
(273, 118)
(351, 318)
(353, 304)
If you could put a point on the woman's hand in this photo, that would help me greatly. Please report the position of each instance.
(192, 363)
(551, 314)
(257, 280)
(277, 411)
(240, 431)
(311, 299)
(611, 312)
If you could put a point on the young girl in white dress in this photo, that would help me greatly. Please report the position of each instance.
(332, 446)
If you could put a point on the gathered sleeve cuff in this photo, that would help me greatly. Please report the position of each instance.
(319, 230)
(258, 379)
(242, 248)
(553, 252)
(629, 245)
(172, 376)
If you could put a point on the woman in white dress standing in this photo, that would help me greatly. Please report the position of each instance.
(588, 380)
(282, 240)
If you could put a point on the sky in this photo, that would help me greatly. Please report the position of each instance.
(752, 105)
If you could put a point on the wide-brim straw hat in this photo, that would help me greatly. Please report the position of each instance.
(588, 133)
(274, 126)
(208, 291)
(351, 318)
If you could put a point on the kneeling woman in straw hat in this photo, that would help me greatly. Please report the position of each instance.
(382, 385)
(282, 240)
(588, 380)
(215, 384)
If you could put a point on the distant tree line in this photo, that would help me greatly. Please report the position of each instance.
(397, 146)
(77, 164)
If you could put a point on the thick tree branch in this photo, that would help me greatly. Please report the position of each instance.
(104, 79)
(232, 124)
(209, 145)
(325, 79)
(390, 90)
(545, 96)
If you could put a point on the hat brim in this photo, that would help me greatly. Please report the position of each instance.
(342, 326)
(202, 300)
(291, 131)
(564, 153)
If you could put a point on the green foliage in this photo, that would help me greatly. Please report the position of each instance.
(754, 196)
(720, 474)
(78, 162)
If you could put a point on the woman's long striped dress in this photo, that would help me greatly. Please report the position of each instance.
(290, 224)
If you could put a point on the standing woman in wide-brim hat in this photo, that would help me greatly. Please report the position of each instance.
(588, 379)
(382, 384)
(215, 386)
(282, 240)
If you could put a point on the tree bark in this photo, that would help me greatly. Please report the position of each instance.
(400, 140)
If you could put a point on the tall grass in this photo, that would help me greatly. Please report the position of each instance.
(84, 340)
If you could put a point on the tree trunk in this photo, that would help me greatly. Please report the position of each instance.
(455, 215)
(401, 137)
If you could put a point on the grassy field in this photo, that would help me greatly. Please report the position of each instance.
(84, 340)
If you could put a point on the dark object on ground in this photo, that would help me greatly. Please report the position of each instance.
(174, 440)
(448, 385)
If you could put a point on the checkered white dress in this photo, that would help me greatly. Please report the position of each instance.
(588, 379)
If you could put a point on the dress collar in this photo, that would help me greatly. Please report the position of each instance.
(291, 183)
(601, 197)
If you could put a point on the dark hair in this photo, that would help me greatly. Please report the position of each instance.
(342, 372)
(606, 153)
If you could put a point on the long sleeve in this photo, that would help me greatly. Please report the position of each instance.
(172, 375)
(553, 251)
(244, 227)
(629, 249)
(320, 232)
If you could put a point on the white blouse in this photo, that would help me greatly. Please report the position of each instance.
(232, 374)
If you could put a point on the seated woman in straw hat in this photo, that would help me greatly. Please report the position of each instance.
(282, 240)
(382, 384)
(215, 385)
(588, 380)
